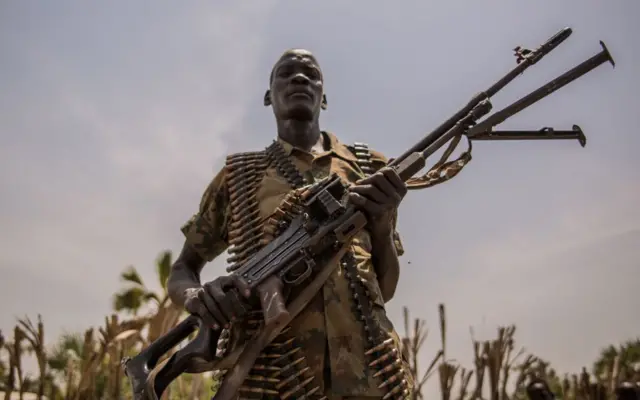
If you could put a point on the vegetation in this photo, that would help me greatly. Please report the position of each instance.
(501, 370)
(87, 365)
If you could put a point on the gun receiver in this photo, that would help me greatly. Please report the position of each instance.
(290, 258)
(318, 227)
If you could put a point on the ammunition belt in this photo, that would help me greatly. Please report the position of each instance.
(363, 157)
(281, 370)
(284, 166)
(244, 172)
(383, 355)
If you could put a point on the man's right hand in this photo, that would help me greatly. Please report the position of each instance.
(217, 303)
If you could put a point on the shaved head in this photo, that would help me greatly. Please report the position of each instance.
(296, 89)
(295, 55)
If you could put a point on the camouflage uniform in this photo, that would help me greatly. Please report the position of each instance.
(330, 336)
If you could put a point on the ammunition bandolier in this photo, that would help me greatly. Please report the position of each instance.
(281, 371)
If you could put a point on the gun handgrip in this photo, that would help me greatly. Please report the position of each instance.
(272, 301)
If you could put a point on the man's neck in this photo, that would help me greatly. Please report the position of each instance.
(304, 135)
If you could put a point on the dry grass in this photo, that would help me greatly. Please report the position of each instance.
(93, 370)
(502, 371)
(88, 367)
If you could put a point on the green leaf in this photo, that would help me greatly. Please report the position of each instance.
(131, 275)
(163, 267)
(67, 345)
(151, 296)
(130, 299)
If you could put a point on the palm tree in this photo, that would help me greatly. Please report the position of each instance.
(34, 336)
(136, 296)
(620, 362)
(3, 366)
(67, 351)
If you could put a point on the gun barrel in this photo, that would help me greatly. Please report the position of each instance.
(449, 124)
(555, 40)
(543, 91)
(532, 58)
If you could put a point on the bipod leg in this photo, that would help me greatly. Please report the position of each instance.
(546, 133)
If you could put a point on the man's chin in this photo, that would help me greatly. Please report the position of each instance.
(302, 114)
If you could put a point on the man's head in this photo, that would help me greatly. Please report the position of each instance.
(296, 87)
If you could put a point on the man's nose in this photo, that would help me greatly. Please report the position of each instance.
(300, 79)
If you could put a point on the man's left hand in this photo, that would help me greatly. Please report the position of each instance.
(379, 196)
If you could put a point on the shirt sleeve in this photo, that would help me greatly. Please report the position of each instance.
(378, 160)
(206, 231)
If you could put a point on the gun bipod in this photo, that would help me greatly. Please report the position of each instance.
(545, 133)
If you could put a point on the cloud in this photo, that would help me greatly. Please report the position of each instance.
(113, 120)
(103, 167)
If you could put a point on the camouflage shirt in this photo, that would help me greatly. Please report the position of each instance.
(327, 329)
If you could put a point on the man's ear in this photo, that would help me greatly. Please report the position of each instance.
(324, 104)
(267, 98)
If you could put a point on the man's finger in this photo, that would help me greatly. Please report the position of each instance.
(236, 304)
(396, 181)
(366, 204)
(196, 307)
(356, 199)
(218, 294)
(371, 192)
(392, 197)
(213, 308)
(241, 285)
(364, 181)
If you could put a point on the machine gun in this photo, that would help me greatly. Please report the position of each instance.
(317, 226)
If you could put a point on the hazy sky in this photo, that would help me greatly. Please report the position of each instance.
(114, 117)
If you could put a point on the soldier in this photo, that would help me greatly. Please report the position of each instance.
(323, 349)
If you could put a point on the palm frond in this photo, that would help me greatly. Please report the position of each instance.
(130, 299)
(131, 275)
(163, 267)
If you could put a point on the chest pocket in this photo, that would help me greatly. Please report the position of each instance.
(271, 191)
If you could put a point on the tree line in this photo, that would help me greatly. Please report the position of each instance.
(87, 365)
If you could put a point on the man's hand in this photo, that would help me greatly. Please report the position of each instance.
(379, 195)
(217, 303)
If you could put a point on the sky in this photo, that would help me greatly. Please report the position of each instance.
(114, 116)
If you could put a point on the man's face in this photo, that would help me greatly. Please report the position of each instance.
(296, 86)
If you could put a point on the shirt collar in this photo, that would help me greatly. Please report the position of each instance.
(335, 147)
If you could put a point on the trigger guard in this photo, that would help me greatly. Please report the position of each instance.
(308, 263)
